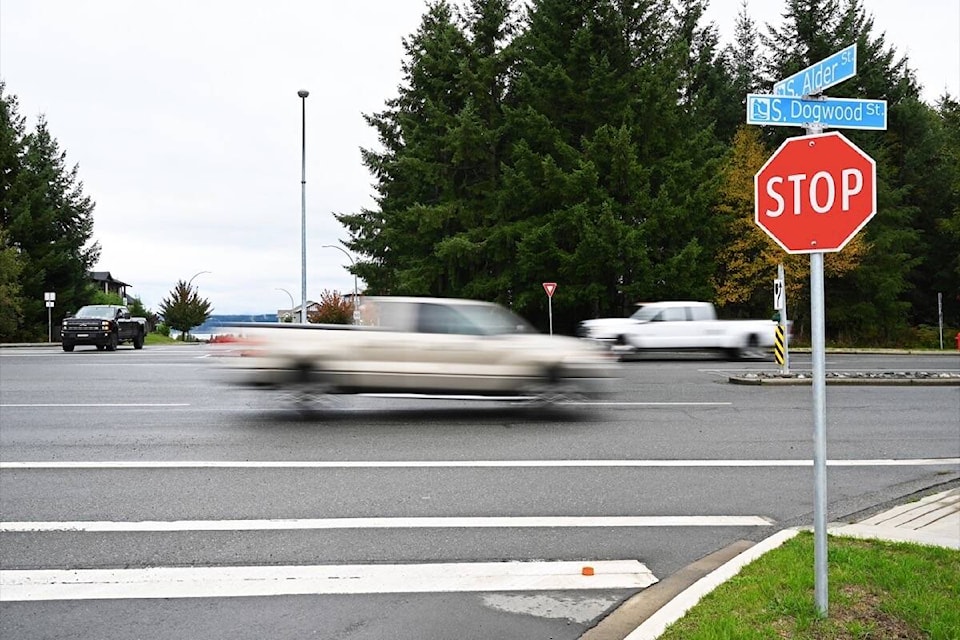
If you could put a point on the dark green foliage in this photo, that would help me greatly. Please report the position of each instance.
(561, 153)
(582, 142)
(575, 141)
(184, 309)
(137, 310)
(11, 296)
(45, 219)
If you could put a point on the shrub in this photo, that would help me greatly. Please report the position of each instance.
(332, 309)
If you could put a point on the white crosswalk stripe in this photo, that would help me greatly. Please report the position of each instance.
(222, 582)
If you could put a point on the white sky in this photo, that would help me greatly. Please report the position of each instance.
(184, 119)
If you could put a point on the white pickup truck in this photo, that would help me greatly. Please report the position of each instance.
(681, 326)
(435, 346)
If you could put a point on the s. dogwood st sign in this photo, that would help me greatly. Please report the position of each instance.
(815, 193)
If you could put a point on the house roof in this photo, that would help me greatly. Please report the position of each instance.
(104, 276)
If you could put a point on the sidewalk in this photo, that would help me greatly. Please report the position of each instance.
(933, 520)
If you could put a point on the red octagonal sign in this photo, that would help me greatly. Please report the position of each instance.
(815, 193)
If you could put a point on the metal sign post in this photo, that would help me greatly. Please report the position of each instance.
(940, 317)
(783, 328)
(817, 337)
(819, 372)
(818, 223)
(49, 298)
(550, 287)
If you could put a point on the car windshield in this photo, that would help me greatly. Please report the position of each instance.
(96, 311)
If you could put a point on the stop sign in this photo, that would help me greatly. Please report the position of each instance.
(815, 193)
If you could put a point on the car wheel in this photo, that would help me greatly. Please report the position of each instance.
(552, 389)
(68, 346)
(138, 340)
(308, 390)
(112, 342)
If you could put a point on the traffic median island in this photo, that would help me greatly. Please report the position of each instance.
(878, 378)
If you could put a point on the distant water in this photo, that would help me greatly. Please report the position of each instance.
(215, 323)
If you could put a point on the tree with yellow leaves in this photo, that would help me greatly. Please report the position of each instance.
(747, 260)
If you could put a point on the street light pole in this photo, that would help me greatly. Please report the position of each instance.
(190, 289)
(292, 304)
(356, 310)
(303, 93)
(190, 282)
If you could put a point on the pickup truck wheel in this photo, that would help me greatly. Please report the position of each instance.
(138, 340)
(750, 348)
(112, 342)
(68, 346)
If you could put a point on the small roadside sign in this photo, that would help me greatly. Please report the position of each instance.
(832, 70)
(549, 287)
(838, 113)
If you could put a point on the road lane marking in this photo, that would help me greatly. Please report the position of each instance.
(652, 404)
(221, 582)
(457, 464)
(99, 404)
(291, 524)
(408, 396)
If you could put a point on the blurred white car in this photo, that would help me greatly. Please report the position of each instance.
(435, 346)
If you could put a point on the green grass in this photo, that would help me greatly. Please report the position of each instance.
(157, 338)
(876, 591)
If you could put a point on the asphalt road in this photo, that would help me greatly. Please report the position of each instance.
(139, 460)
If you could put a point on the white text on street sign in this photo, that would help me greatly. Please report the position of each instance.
(830, 71)
(817, 194)
(838, 113)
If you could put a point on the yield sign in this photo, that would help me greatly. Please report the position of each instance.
(549, 287)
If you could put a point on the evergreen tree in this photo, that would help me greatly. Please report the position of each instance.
(417, 183)
(744, 68)
(184, 309)
(11, 298)
(48, 220)
(870, 301)
(947, 238)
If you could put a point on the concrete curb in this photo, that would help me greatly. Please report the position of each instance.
(655, 625)
(647, 602)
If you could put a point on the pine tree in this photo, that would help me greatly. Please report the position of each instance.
(50, 222)
(417, 183)
(872, 300)
(11, 258)
(184, 309)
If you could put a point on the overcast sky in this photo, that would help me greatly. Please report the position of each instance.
(184, 119)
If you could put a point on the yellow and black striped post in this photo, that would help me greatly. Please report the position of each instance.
(778, 346)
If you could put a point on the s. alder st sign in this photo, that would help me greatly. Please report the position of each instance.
(815, 193)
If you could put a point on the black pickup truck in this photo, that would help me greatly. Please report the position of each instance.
(102, 325)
